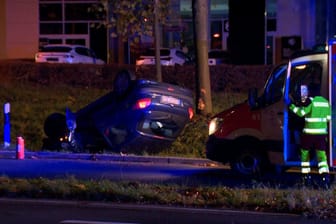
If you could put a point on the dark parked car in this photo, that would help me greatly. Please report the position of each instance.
(216, 57)
(138, 115)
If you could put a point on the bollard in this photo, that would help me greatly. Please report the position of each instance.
(20, 148)
(6, 132)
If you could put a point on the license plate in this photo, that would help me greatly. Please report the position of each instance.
(52, 59)
(170, 100)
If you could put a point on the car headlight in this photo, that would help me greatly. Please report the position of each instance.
(214, 125)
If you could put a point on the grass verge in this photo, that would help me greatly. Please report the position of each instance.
(320, 204)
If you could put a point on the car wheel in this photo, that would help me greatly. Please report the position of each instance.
(248, 162)
(55, 126)
(51, 144)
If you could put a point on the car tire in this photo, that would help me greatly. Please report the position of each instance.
(55, 126)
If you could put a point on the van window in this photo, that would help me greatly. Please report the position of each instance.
(275, 84)
(305, 74)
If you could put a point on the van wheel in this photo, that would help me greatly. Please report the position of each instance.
(248, 162)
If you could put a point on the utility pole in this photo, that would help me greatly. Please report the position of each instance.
(203, 89)
(157, 42)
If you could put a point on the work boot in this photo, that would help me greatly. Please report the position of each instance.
(325, 180)
(307, 180)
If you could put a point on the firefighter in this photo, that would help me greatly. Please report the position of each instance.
(314, 135)
(296, 123)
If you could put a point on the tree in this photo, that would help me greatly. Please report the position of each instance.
(203, 90)
(129, 20)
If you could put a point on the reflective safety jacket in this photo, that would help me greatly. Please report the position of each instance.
(317, 115)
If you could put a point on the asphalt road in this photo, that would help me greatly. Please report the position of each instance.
(116, 167)
(69, 212)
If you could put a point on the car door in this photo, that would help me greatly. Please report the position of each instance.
(180, 57)
(273, 105)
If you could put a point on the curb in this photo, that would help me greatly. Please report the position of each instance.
(11, 154)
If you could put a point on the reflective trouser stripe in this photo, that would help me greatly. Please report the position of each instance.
(323, 170)
(305, 161)
(305, 164)
(322, 161)
(305, 170)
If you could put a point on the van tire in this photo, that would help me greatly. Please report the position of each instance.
(248, 162)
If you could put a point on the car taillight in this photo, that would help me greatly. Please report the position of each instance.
(142, 103)
(191, 112)
(170, 89)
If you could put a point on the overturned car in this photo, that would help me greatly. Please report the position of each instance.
(138, 115)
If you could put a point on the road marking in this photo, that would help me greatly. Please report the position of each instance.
(91, 222)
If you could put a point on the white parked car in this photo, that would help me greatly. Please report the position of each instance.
(66, 53)
(168, 56)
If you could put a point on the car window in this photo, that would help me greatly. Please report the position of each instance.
(55, 49)
(83, 51)
(92, 53)
(151, 52)
(180, 54)
(165, 52)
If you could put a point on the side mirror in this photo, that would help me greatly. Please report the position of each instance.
(252, 97)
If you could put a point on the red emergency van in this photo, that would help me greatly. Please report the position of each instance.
(257, 134)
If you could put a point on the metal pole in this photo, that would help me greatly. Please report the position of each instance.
(6, 125)
(157, 42)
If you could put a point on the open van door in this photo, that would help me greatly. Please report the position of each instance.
(310, 70)
(332, 100)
